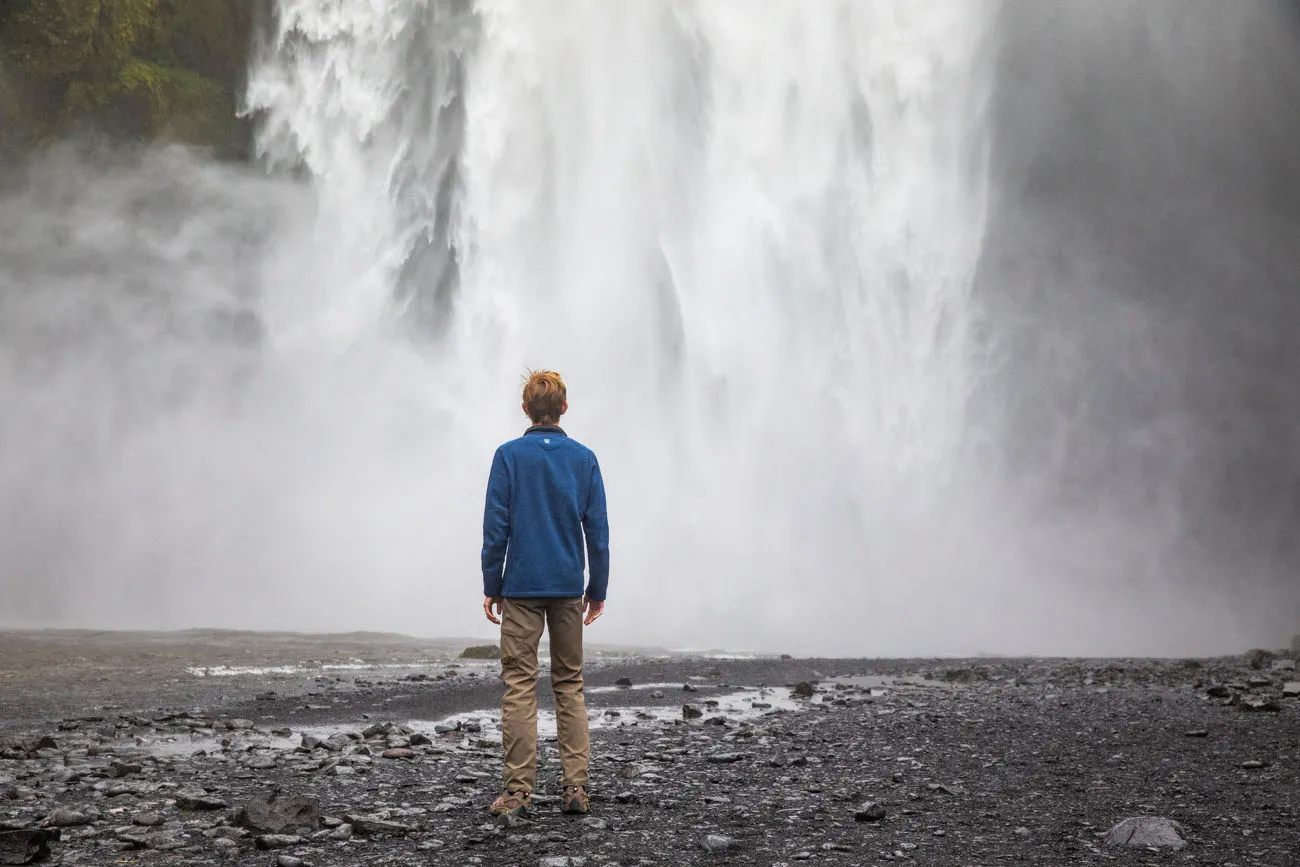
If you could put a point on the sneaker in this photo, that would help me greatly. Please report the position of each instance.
(576, 800)
(512, 804)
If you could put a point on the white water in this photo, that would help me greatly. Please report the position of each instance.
(746, 236)
(747, 240)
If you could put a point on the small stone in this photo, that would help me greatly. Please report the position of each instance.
(592, 823)
(225, 844)
(341, 833)
(148, 820)
(626, 797)
(869, 812)
(1291, 690)
(66, 817)
(199, 801)
(267, 842)
(1147, 832)
(717, 843)
(686, 687)
(561, 861)
(1254, 765)
(289, 861)
(725, 758)
(1259, 705)
(623, 681)
(398, 753)
(691, 712)
(1197, 733)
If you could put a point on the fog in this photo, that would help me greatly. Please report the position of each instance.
(956, 329)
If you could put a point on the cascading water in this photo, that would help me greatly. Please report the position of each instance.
(748, 235)
(747, 240)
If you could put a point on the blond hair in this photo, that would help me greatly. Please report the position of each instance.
(544, 396)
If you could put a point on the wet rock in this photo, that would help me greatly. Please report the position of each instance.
(399, 753)
(686, 687)
(419, 740)
(135, 838)
(269, 842)
(803, 689)
(26, 846)
(277, 814)
(148, 820)
(481, 651)
(623, 681)
(1291, 690)
(1196, 733)
(690, 711)
(561, 861)
(725, 758)
(199, 800)
(1254, 765)
(289, 861)
(869, 812)
(365, 825)
(1219, 690)
(1147, 832)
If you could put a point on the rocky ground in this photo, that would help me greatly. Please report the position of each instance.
(393, 759)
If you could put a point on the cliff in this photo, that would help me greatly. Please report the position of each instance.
(132, 70)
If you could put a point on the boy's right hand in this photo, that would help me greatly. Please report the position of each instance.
(489, 603)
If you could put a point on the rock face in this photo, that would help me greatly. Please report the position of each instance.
(1147, 832)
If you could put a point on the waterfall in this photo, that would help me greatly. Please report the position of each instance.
(747, 233)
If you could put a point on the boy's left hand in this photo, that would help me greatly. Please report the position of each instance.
(489, 603)
(594, 610)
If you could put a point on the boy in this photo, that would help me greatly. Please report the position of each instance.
(544, 495)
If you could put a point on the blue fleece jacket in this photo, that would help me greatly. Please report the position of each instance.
(544, 494)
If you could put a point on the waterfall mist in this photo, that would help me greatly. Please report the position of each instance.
(898, 330)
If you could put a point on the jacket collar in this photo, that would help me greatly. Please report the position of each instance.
(553, 429)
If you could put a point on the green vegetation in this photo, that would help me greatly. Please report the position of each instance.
(133, 70)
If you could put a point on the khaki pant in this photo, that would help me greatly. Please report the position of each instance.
(521, 630)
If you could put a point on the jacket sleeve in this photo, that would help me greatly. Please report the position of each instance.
(595, 525)
(496, 526)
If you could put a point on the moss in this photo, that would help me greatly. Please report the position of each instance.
(134, 69)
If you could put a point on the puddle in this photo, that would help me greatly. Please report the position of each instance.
(748, 704)
(485, 725)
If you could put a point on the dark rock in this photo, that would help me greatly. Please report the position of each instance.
(1266, 705)
(869, 812)
(1197, 733)
(365, 825)
(623, 681)
(686, 687)
(1219, 690)
(691, 712)
(419, 740)
(804, 689)
(199, 801)
(481, 651)
(148, 820)
(1147, 832)
(26, 846)
(276, 814)
(267, 842)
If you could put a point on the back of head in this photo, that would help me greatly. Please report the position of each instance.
(545, 397)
